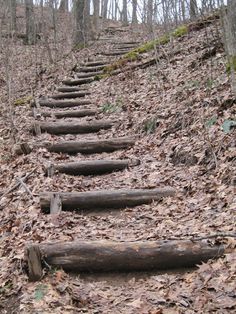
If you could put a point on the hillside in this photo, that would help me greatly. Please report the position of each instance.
(177, 110)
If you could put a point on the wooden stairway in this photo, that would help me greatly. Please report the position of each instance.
(73, 96)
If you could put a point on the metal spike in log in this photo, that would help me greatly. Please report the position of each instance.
(101, 200)
(71, 127)
(63, 103)
(70, 113)
(93, 167)
(70, 95)
(75, 82)
(91, 146)
(107, 256)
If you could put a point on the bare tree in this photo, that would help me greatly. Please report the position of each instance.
(30, 25)
(230, 40)
(193, 9)
(64, 6)
(13, 14)
(82, 22)
(104, 9)
(134, 11)
(125, 13)
(96, 6)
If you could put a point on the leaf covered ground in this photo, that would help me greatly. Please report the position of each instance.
(178, 110)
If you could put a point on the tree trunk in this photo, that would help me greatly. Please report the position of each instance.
(150, 15)
(96, 6)
(30, 25)
(13, 14)
(91, 146)
(193, 9)
(134, 11)
(104, 9)
(63, 103)
(100, 200)
(97, 256)
(125, 13)
(81, 33)
(230, 41)
(64, 6)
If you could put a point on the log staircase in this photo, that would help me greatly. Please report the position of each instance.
(72, 102)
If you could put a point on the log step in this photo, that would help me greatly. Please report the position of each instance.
(104, 256)
(116, 53)
(93, 68)
(105, 199)
(63, 103)
(88, 74)
(70, 95)
(91, 146)
(66, 89)
(70, 113)
(94, 63)
(91, 167)
(71, 127)
(75, 82)
(135, 43)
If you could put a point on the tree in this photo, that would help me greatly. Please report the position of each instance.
(82, 22)
(193, 9)
(13, 14)
(125, 13)
(104, 9)
(96, 5)
(134, 11)
(230, 40)
(150, 14)
(64, 6)
(30, 25)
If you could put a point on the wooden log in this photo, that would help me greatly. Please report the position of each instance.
(91, 146)
(71, 127)
(88, 74)
(94, 63)
(105, 199)
(33, 256)
(63, 103)
(131, 43)
(70, 95)
(70, 113)
(105, 256)
(116, 53)
(93, 167)
(67, 89)
(75, 82)
(55, 204)
(96, 69)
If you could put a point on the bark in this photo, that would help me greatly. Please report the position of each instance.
(193, 9)
(92, 167)
(77, 82)
(96, 5)
(116, 52)
(64, 89)
(70, 113)
(13, 14)
(70, 95)
(91, 146)
(95, 63)
(125, 13)
(96, 69)
(89, 74)
(64, 6)
(150, 15)
(63, 103)
(72, 127)
(97, 256)
(105, 9)
(30, 25)
(100, 200)
(134, 11)
(81, 33)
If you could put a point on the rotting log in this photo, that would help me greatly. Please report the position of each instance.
(96, 69)
(88, 74)
(67, 89)
(105, 256)
(75, 82)
(105, 199)
(70, 95)
(63, 103)
(91, 146)
(93, 167)
(70, 113)
(71, 127)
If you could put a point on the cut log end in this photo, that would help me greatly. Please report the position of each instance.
(33, 258)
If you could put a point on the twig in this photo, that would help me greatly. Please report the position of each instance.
(20, 181)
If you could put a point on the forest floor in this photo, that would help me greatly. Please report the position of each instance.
(178, 110)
